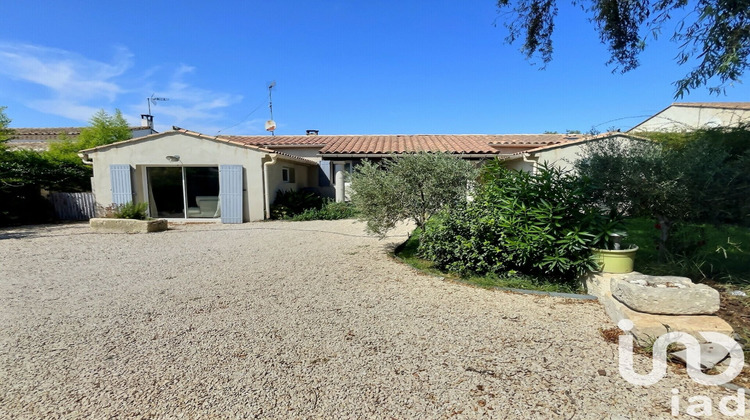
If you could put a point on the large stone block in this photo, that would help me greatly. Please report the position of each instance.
(597, 283)
(665, 295)
(648, 327)
(104, 225)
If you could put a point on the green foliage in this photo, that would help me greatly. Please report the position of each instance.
(408, 252)
(290, 203)
(716, 35)
(103, 129)
(637, 178)
(696, 250)
(409, 187)
(701, 176)
(131, 210)
(539, 224)
(330, 211)
(5, 131)
(23, 173)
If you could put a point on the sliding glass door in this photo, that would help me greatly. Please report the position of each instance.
(184, 192)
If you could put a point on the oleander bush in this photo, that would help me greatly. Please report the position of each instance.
(541, 224)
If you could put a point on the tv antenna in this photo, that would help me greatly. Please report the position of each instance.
(270, 124)
(154, 100)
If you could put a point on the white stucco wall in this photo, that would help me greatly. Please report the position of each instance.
(310, 153)
(301, 175)
(683, 118)
(563, 157)
(519, 165)
(193, 151)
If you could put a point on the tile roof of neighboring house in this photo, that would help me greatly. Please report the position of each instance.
(50, 133)
(725, 105)
(407, 143)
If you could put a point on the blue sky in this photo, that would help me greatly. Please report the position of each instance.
(342, 67)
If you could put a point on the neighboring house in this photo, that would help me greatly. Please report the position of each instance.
(188, 175)
(39, 139)
(561, 155)
(688, 116)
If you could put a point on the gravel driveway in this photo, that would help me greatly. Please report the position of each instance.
(289, 320)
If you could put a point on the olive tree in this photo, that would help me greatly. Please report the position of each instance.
(711, 33)
(411, 187)
(638, 178)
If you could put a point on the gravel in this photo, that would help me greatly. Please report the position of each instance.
(290, 320)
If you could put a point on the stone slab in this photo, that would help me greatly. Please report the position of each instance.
(665, 295)
(711, 355)
(598, 283)
(106, 225)
(648, 327)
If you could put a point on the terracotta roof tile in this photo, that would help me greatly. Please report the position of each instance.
(407, 143)
(50, 133)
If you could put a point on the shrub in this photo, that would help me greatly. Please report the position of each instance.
(537, 224)
(131, 210)
(24, 173)
(330, 211)
(290, 203)
(409, 187)
(701, 176)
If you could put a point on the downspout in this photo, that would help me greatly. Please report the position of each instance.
(533, 161)
(85, 159)
(267, 184)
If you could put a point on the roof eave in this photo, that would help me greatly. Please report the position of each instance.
(385, 155)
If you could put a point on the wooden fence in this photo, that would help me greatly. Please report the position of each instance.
(74, 206)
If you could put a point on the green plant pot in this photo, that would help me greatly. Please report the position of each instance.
(615, 260)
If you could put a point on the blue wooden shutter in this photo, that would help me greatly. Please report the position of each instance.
(122, 187)
(230, 193)
(324, 173)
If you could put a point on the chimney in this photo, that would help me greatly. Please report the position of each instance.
(312, 132)
(147, 121)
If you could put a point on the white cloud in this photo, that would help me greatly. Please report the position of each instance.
(65, 74)
(75, 87)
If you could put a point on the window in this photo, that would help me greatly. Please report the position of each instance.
(183, 192)
(287, 175)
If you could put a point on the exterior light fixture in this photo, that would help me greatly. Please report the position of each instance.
(173, 158)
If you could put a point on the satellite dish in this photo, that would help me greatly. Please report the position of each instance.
(270, 125)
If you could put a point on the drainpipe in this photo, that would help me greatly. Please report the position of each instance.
(267, 184)
(85, 159)
(533, 161)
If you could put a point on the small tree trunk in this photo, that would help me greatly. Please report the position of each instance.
(664, 225)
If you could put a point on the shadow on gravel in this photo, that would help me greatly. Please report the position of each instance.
(283, 229)
(41, 231)
(16, 235)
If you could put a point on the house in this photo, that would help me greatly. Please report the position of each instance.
(39, 139)
(187, 175)
(338, 155)
(688, 116)
(561, 155)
